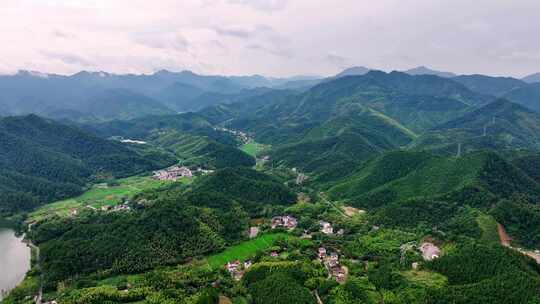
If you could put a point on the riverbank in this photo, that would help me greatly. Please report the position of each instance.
(15, 260)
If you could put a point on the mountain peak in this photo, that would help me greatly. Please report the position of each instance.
(27, 73)
(422, 70)
(532, 78)
(354, 71)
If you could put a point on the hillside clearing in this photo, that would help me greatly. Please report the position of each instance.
(99, 195)
(253, 148)
(244, 250)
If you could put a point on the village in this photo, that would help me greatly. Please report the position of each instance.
(242, 137)
(330, 260)
(327, 254)
(175, 173)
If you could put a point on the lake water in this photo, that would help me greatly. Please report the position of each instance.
(14, 260)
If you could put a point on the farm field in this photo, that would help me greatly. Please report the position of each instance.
(99, 195)
(244, 250)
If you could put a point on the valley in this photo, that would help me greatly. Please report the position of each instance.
(372, 188)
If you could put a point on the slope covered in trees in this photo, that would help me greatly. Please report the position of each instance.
(41, 161)
(499, 125)
(404, 175)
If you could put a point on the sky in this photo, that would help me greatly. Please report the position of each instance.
(270, 37)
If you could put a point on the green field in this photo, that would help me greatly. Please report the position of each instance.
(425, 278)
(253, 148)
(99, 195)
(244, 250)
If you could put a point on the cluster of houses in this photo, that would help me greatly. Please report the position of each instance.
(173, 173)
(331, 262)
(122, 207)
(285, 221)
(241, 136)
(237, 269)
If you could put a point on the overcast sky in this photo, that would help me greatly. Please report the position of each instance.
(270, 37)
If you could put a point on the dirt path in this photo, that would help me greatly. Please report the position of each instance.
(506, 242)
(503, 236)
(319, 301)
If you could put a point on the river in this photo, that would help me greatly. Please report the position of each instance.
(14, 260)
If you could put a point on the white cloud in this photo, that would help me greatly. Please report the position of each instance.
(274, 37)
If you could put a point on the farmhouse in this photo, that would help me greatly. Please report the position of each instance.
(430, 251)
(326, 228)
(322, 253)
(253, 232)
(235, 270)
(285, 221)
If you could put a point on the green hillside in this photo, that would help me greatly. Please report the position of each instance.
(499, 125)
(42, 161)
(246, 186)
(527, 96)
(202, 151)
(404, 175)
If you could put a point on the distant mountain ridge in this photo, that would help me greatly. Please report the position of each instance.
(533, 78)
(422, 70)
(87, 96)
(496, 86)
(354, 71)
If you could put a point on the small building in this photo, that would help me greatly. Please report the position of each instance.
(253, 232)
(285, 221)
(322, 253)
(326, 228)
(430, 251)
(339, 274)
(274, 254)
(235, 269)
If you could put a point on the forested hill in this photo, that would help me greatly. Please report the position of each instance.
(342, 122)
(190, 136)
(499, 125)
(41, 160)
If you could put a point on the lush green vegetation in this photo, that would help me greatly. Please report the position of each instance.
(202, 151)
(497, 126)
(244, 250)
(105, 194)
(43, 161)
(521, 218)
(362, 142)
(253, 148)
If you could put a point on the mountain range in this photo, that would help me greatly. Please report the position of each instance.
(372, 166)
(100, 96)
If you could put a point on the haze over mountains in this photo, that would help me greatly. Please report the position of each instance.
(100, 96)
(424, 154)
